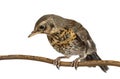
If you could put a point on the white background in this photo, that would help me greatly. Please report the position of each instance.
(17, 19)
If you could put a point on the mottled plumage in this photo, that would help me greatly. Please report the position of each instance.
(67, 37)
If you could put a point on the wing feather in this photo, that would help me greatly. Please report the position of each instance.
(82, 34)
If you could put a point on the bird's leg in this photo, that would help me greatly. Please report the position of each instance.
(76, 61)
(57, 61)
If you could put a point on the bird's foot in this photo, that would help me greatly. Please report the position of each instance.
(57, 62)
(75, 63)
(77, 60)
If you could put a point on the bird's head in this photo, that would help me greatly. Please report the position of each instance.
(45, 25)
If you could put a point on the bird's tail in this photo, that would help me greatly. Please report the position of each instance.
(94, 56)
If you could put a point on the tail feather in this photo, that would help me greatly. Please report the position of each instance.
(94, 56)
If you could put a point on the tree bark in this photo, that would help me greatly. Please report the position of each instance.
(62, 63)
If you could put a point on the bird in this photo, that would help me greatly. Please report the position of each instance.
(68, 37)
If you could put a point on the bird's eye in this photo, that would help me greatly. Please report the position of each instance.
(42, 27)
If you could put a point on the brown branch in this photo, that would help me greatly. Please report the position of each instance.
(50, 61)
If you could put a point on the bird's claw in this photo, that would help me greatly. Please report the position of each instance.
(75, 64)
(57, 62)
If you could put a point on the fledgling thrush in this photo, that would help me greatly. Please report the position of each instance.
(67, 37)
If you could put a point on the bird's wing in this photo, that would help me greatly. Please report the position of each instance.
(79, 30)
(82, 34)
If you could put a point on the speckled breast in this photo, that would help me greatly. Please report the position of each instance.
(66, 42)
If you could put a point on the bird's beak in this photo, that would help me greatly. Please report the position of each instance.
(32, 34)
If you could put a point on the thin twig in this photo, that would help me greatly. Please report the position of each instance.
(62, 63)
